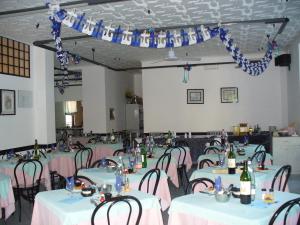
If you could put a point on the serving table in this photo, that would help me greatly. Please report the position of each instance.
(202, 208)
(60, 207)
(7, 199)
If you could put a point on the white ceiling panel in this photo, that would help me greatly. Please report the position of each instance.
(250, 38)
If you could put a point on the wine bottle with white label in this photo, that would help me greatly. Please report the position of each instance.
(245, 185)
(231, 161)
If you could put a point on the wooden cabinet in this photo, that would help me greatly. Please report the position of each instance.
(286, 150)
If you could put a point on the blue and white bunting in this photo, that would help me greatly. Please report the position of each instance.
(149, 38)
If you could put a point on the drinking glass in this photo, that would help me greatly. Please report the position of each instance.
(222, 157)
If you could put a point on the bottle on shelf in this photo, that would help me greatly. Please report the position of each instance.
(36, 153)
(245, 185)
(252, 175)
(231, 161)
(144, 157)
(112, 136)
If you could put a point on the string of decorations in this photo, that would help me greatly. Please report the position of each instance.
(149, 38)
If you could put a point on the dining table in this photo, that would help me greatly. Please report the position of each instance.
(249, 152)
(157, 153)
(62, 207)
(202, 208)
(101, 176)
(63, 162)
(263, 178)
(7, 199)
(7, 167)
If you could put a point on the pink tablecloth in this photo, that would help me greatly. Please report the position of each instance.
(7, 202)
(55, 207)
(45, 174)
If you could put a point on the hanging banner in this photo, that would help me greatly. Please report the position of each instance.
(148, 38)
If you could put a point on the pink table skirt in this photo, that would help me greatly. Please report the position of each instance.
(187, 219)
(8, 203)
(163, 191)
(101, 152)
(65, 166)
(45, 178)
(43, 216)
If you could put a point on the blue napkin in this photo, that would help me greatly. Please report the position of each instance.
(69, 183)
(218, 184)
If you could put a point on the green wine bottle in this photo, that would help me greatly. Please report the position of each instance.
(231, 161)
(144, 157)
(36, 153)
(245, 185)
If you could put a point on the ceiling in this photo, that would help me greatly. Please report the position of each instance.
(251, 38)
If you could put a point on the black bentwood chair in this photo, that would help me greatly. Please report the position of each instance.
(99, 163)
(205, 163)
(119, 152)
(83, 179)
(125, 200)
(204, 183)
(281, 178)
(181, 167)
(163, 162)
(27, 185)
(211, 150)
(83, 158)
(215, 143)
(259, 157)
(147, 176)
(286, 210)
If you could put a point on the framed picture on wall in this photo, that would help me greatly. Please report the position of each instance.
(195, 96)
(229, 95)
(7, 102)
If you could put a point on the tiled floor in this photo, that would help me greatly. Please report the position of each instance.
(294, 185)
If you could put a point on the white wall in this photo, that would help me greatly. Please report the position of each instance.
(16, 130)
(35, 122)
(93, 99)
(116, 84)
(73, 93)
(43, 98)
(262, 99)
(138, 83)
(293, 82)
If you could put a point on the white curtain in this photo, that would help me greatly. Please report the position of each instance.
(70, 107)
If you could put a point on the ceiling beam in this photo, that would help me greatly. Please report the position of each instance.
(65, 4)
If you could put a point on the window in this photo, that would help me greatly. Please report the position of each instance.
(69, 120)
(14, 58)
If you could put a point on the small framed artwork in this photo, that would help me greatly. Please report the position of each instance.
(229, 95)
(195, 96)
(7, 102)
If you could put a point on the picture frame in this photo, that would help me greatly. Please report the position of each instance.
(229, 95)
(7, 102)
(195, 96)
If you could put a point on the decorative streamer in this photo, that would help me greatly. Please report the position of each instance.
(149, 38)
